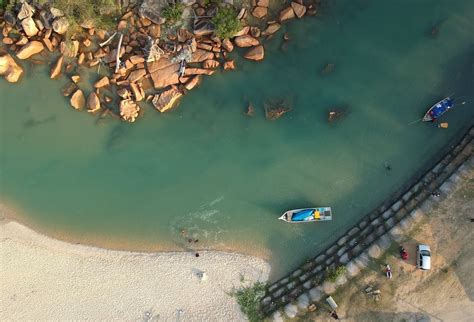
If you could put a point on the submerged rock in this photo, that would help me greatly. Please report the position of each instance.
(30, 49)
(166, 100)
(9, 68)
(93, 103)
(56, 70)
(78, 101)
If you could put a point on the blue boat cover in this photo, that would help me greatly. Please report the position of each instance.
(440, 108)
(302, 215)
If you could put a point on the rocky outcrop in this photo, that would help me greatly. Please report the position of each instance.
(30, 49)
(245, 41)
(166, 100)
(299, 9)
(9, 68)
(286, 14)
(93, 103)
(229, 65)
(198, 71)
(56, 70)
(256, 53)
(78, 101)
(26, 11)
(129, 110)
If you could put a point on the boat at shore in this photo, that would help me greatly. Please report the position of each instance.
(438, 109)
(305, 215)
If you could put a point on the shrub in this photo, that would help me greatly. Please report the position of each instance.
(333, 274)
(173, 12)
(249, 300)
(226, 22)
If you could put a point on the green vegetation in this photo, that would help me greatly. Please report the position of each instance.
(99, 13)
(226, 22)
(334, 273)
(249, 300)
(173, 12)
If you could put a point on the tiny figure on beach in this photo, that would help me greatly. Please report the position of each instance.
(197, 254)
(388, 272)
(403, 253)
(334, 315)
(435, 194)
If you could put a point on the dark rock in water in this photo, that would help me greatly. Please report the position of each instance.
(337, 113)
(69, 89)
(274, 109)
(9, 18)
(433, 31)
(250, 110)
(328, 69)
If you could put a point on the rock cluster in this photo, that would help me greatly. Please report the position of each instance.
(138, 62)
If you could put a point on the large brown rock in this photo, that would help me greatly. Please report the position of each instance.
(136, 75)
(166, 76)
(263, 3)
(245, 41)
(78, 101)
(56, 70)
(103, 82)
(61, 25)
(229, 65)
(29, 27)
(9, 68)
(93, 103)
(227, 45)
(30, 49)
(271, 29)
(299, 9)
(259, 12)
(198, 71)
(245, 30)
(192, 82)
(129, 110)
(69, 49)
(201, 55)
(166, 100)
(286, 14)
(26, 11)
(255, 53)
(210, 64)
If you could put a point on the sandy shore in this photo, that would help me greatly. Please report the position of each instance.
(43, 278)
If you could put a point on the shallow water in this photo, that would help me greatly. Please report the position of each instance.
(224, 177)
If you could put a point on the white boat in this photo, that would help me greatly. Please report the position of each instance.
(305, 215)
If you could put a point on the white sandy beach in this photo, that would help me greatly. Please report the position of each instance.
(45, 279)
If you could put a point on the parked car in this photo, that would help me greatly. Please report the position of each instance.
(423, 257)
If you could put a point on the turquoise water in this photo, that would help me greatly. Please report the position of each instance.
(224, 177)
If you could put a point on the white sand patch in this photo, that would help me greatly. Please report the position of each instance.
(43, 278)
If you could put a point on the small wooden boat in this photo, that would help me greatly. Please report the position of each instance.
(307, 215)
(438, 109)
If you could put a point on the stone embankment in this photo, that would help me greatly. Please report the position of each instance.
(150, 56)
(371, 236)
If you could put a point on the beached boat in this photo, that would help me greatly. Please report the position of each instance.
(438, 109)
(307, 215)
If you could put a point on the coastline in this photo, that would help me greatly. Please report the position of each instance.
(123, 243)
(87, 282)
